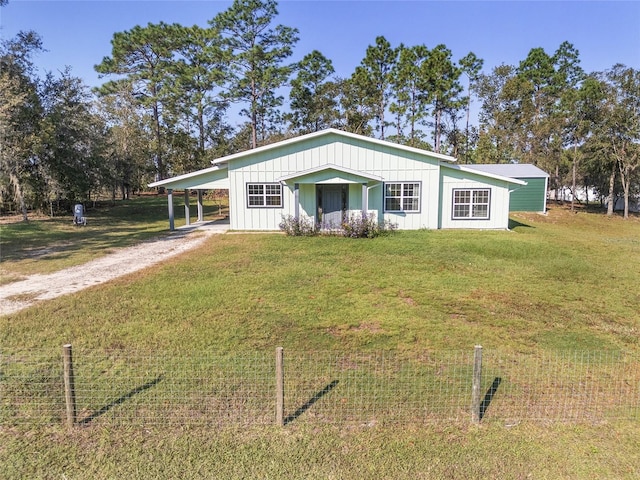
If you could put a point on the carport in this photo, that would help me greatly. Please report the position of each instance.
(213, 178)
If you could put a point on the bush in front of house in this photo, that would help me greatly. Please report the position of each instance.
(366, 226)
(354, 226)
(297, 227)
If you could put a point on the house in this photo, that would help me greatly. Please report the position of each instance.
(325, 175)
(528, 198)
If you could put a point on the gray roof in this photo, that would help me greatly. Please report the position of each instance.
(512, 170)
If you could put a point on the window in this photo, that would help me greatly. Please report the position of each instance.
(472, 203)
(264, 195)
(402, 197)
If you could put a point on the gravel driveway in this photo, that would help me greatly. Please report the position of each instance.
(24, 293)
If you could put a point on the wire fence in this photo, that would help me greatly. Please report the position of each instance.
(116, 388)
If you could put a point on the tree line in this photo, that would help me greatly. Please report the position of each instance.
(170, 91)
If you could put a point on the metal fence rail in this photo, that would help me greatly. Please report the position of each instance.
(354, 388)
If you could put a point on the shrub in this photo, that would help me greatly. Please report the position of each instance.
(297, 227)
(366, 226)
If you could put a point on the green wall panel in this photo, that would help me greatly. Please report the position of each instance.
(530, 197)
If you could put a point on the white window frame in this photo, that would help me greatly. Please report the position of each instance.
(265, 193)
(403, 195)
(472, 203)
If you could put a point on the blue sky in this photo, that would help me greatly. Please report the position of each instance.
(78, 33)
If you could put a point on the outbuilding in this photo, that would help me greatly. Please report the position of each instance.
(328, 175)
(531, 197)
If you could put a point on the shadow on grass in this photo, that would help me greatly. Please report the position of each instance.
(120, 400)
(484, 406)
(515, 224)
(311, 401)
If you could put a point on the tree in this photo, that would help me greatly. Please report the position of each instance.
(196, 89)
(545, 80)
(471, 66)
(581, 109)
(621, 124)
(442, 87)
(373, 77)
(143, 56)
(20, 118)
(409, 101)
(312, 98)
(256, 54)
(129, 148)
(72, 139)
(356, 110)
(495, 143)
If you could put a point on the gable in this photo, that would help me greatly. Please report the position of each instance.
(335, 147)
(330, 174)
(352, 159)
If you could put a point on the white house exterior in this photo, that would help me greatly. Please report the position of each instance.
(326, 175)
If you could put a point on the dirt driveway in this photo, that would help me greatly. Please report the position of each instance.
(24, 293)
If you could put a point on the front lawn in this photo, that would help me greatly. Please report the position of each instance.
(556, 283)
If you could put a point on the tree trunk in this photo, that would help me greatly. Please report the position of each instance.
(382, 118)
(586, 193)
(254, 115)
(437, 132)
(159, 162)
(626, 186)
(201, 128)
(612, 184)
(466, 147)
(573, 179)
(15, 181)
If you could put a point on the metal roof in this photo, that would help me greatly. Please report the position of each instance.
(512, 170)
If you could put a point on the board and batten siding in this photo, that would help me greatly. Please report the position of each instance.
(452, 179)
(386, 162)
(531, 197)
(524, 198)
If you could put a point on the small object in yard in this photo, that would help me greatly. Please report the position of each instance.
(78, 215)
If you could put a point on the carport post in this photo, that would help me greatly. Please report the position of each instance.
(187, 214)
(170, 202)
(365, 200)
(200, 208)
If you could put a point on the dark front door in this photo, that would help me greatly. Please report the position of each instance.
(332, 205)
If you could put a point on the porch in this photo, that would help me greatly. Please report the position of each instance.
(330, 194)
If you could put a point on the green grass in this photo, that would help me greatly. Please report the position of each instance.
(525, 451)
(559, 282)
(554, 283)
(50, 244)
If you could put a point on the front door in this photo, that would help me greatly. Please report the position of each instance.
(332, 205)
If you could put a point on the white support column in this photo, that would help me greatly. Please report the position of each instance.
(296, 199)
(200, 207)
(187, 214)
(365, 199)
(170, 204)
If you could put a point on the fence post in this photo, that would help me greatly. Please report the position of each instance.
(475, 391)
(69, 388)
(280, 386)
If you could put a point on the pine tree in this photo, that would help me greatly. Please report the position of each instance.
(256, 52)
